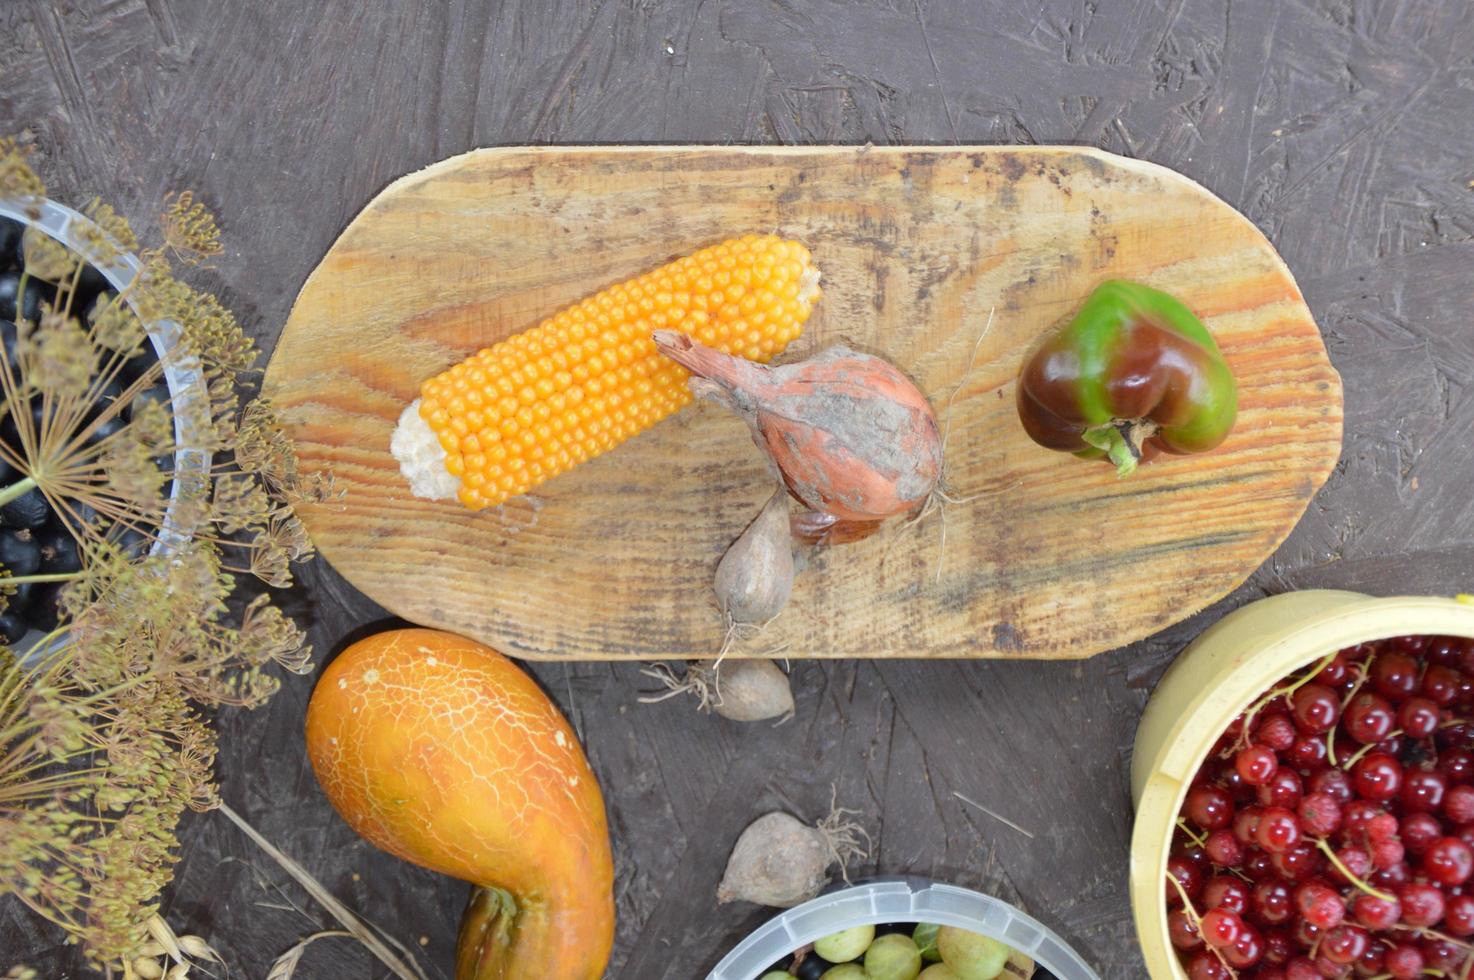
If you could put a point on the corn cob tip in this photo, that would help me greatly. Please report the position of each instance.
(421, 458)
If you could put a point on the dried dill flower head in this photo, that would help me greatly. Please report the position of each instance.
(169, 497)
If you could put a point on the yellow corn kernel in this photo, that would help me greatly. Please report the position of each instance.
(583, 381)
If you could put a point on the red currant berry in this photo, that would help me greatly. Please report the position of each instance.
(1320, 814)
(1458, 765)
(1278, 830)
(1422, 905)
(1355, 860)
(1272, 903)
(1233, 784)
(1411, 645)
(1308, 754)
(1207, 966)
(1449, 862)
(1370, 964)
(1440, 685)
(1418, 717)
(1374, 912)
(1381, 827)
(1458, 804)
(1456, 735)
(1256, 764)
(1220, 929)
(1388, 878)
(1227, 893)
(1247, 950)
(1387, 853)
(1444, 956)
(1298, 863)
(1368, 718)
(1331, 782)
(1331, 969)
(1307, 935)
(1278, 946)
(1259, 865)
(1320, 905)
(1188, 876)
(1377, 776)
(1302, 968)
(1224, 849)
(1344, 944)
(1244, 823)
(1182, 932)
(1275, 732)
(1394, 676)
(1458, 916)
(1443, 650)
(1209, 807)
(1418, 832)
(1283, 789)
(1315, 709)
(1335, 673)
(1422, 790)
(1404, 962)
(1358, 816)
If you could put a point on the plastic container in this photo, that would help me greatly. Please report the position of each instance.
(1220, 675)
(188, 399)
(900, 900)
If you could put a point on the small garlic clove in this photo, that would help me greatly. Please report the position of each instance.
(755, 577)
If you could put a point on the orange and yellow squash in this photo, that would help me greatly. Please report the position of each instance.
(445, 753)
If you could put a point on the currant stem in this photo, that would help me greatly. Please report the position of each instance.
(1283, 692)
(1346, 872)
(1197, 922)
(1361, 752)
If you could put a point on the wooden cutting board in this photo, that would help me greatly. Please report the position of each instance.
(1056, 558)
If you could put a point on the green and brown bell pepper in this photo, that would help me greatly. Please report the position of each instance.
(1133, 373)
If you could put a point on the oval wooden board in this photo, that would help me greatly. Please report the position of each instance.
(1056, 558)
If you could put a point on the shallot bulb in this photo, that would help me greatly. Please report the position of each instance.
(849, 434)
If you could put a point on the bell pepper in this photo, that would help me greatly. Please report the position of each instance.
(1133, 373)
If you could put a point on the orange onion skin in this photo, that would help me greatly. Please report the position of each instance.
(849, 434)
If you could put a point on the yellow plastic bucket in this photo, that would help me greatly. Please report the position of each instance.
(1224, 670)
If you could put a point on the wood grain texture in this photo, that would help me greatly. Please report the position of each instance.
(1344, 129)
(1052, 557)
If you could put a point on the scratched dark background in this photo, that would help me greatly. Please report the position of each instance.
(1343, 128)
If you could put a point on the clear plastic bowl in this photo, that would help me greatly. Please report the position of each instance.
(881, 900)
(188, 398)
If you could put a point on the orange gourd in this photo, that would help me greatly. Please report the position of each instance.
(445, 753)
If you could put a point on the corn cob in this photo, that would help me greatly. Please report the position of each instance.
(578, 384)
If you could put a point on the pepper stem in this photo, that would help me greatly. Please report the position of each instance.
(1121, 440)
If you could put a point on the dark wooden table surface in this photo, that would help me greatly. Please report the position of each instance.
(1343, 128)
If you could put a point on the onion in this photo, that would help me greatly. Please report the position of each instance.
(849, 435)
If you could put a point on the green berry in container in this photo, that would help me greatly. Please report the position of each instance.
(971, 956)
(893, 957)
(845, 945)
